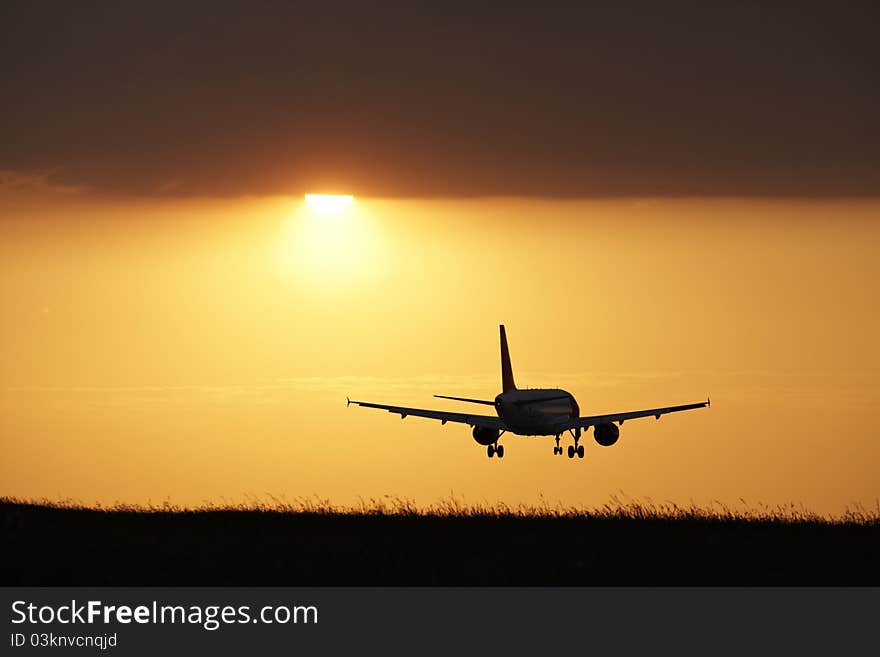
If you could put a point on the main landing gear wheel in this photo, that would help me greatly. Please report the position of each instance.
(492, 450)
(580, 451)
(571, 451)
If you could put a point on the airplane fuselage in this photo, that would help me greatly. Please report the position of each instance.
(536, 412)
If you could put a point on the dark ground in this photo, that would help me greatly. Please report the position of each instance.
(62, 546)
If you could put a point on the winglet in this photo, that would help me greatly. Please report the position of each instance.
(347, 401)
(708, 402)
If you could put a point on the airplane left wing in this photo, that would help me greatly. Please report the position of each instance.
(482, 421)
(619, 418)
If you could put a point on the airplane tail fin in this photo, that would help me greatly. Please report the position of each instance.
(507, 382)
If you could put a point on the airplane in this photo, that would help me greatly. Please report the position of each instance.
(532, 412)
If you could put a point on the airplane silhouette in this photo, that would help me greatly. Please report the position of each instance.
(532, 412)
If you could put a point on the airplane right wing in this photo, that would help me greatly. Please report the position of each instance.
(482, 421)
(620, 418)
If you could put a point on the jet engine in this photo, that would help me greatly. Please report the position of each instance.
(606, 434)
(486, 436)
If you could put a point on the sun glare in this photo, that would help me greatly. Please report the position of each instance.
(329, 203)
(330, 239)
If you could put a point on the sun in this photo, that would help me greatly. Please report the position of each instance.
(331, 240)
(329, 203)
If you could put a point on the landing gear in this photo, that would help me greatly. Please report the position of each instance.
(557, 449)
(492, 450)
(576, 448)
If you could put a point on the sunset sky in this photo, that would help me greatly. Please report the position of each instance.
(658, 205)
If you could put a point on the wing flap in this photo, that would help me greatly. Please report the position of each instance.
(482, 421)
(620, 418)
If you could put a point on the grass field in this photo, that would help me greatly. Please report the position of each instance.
(393, 542)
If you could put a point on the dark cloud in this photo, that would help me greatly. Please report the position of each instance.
(611, 99)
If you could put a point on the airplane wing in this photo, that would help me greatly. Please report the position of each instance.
(482, 421)
(619, 418)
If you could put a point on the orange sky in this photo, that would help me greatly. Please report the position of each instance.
(201, 350)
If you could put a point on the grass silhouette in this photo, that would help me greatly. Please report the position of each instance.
(393, 541)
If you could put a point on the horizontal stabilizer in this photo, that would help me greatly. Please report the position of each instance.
(465, 399)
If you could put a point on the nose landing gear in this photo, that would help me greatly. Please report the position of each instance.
(557, 449)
